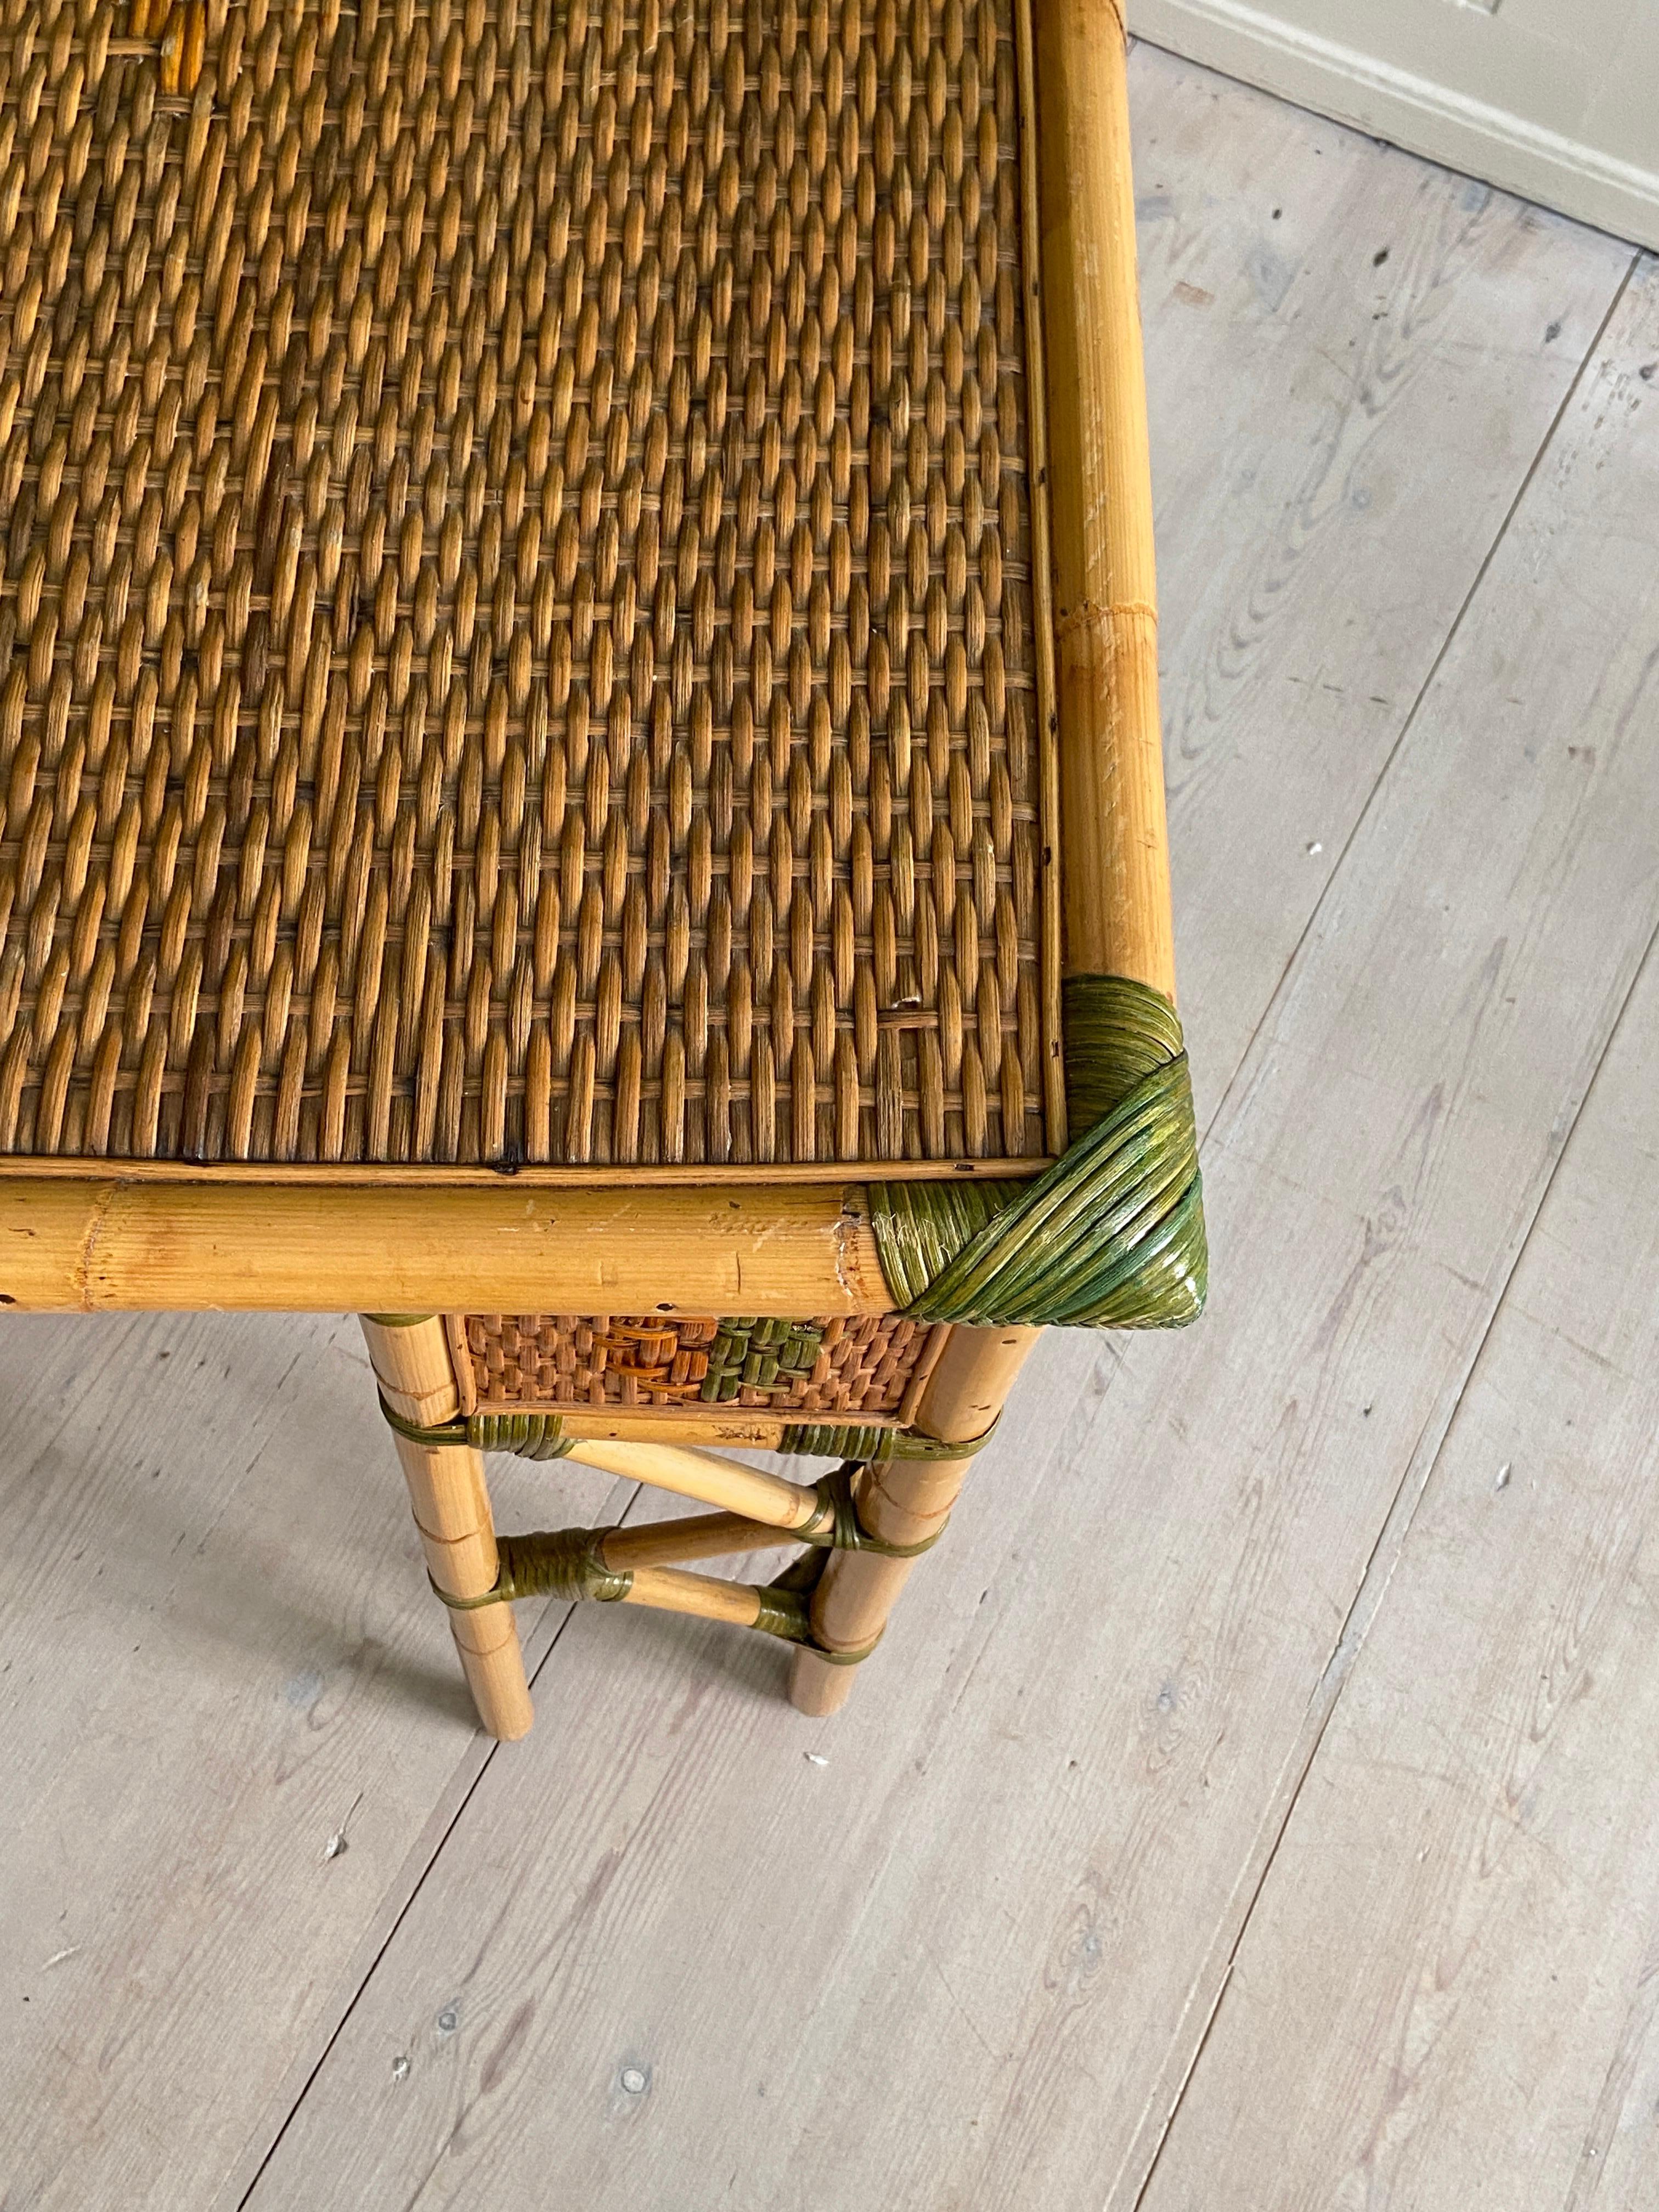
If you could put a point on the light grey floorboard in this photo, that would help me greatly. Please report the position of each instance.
(970, 1960)
(1446, 1993)
(1351, 360)
(218, 1654)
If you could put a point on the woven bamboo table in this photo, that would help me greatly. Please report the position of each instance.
(579, 743)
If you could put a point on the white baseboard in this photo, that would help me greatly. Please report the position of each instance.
(1355, 88)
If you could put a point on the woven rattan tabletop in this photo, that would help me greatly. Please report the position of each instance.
(541, 691)
(523, 632)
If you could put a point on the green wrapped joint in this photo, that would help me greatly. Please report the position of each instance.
(1110, 1236)
(562, 1563)
(568, 1563)
(839, 1528)
(527, 1436)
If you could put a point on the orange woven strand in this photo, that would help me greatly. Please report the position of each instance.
(515, 602)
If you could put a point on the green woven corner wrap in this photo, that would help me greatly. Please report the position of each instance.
(1110, 1236)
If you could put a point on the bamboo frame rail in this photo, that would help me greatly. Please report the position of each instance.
(798, 1252)
(551, 1565)
(722, 1535)
(707, 1597)
(748, 1491)
(705, 1427)
(698, 1536)
(1112, 1235)
(833, 1524)
(1115, 880)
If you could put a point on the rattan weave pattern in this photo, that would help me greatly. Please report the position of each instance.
(516, 629)
(863, 1368)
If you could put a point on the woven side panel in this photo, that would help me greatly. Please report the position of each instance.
(830, 1367)
(515, 612)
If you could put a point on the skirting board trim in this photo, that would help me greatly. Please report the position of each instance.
(1354, 87)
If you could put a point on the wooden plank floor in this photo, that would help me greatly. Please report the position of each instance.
(1253, 1804)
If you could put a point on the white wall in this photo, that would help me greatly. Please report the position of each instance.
(1556, 99)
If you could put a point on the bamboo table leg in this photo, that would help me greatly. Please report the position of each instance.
(904, 1502)
(452, 1511)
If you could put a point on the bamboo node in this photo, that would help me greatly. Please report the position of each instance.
(1093, 614)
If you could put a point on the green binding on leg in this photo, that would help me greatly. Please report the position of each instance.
(1110, 1236)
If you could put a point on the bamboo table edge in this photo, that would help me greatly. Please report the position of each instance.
(1113, 831)
(103, 1242)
